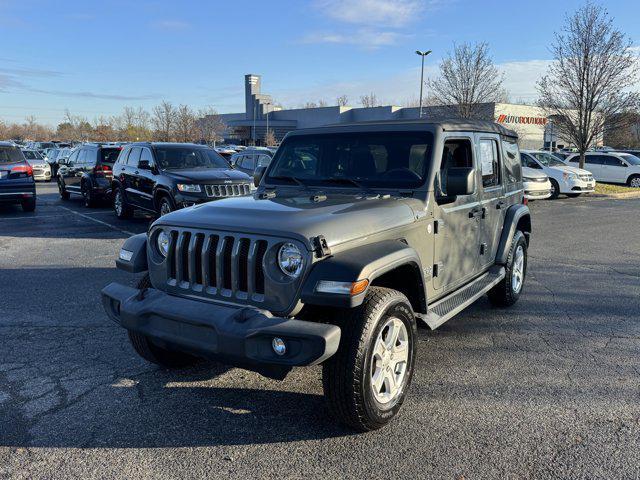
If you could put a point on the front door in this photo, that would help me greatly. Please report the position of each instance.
(457, 222)
(492, 195)
(146, 179)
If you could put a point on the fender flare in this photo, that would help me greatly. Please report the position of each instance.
(514, 215)
(137, 244)
(365, 262)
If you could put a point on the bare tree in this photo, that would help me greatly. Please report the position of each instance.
(369, 101)
(467, 78)
(587, 86)
(342, 100)
(164, 120)
(310, 105)
(210, 125)
(322, 103)
(185, 126)
(270, 138)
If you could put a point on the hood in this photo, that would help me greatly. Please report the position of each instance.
(213, 175)
(338, 217)
(570, 169)
(532, 173)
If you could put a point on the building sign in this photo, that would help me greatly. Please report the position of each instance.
(513, 119)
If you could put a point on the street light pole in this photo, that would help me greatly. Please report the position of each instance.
(267, 105)
(422, 54)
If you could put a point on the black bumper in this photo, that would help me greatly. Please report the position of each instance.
(236, 336)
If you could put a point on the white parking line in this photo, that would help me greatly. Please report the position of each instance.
(97, 221)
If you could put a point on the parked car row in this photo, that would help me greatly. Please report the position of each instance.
(17, 185)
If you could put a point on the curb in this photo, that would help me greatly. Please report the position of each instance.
(616, 195)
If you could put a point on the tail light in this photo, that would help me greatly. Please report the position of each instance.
(525, 201)
(26, 169)
(101, 169)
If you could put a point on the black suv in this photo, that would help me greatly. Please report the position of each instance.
(162, 177)
(16, 178)
(88, 172)
(249, 160)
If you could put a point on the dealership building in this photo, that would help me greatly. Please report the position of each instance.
(261, 115)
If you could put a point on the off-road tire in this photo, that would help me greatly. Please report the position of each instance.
(503, 294)
(29, 205)
(126, 211)
(634, 181)
(346, 375)
(555, 191)
(147, 349)
(64, 195)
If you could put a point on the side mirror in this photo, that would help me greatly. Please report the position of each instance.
(258, 174)
(461, 181)
(144, 165)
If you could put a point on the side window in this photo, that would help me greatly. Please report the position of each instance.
(249, 162)
(91, 157)
(612, 162)
(489, 163)
(146, 155)
(82, 156)
(511, 156)
(134, 156)
(263, 161)
(456, 153)
(593, 159)
(73, 158)
(122, 158)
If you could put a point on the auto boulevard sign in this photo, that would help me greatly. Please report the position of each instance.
(522, 120)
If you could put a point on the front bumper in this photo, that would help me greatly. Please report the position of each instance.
(238, 336)
(577, 186)
(537, 190)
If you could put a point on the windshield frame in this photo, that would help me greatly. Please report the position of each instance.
(351, 182)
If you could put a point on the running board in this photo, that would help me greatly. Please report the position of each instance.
(446, 308)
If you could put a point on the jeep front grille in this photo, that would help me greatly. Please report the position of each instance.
(234, 190)
(217, 264)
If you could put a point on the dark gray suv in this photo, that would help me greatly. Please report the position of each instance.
(355, 234)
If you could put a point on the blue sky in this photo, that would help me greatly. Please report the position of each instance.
(95, 57)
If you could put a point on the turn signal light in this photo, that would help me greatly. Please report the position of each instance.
(359, 286)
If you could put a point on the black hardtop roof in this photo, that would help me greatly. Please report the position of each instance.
(452, 125)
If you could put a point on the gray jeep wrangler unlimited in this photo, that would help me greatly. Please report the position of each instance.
(355, 233)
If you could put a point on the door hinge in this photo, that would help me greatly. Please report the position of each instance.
(437, 268)
(483, 248)
(321, 247)
(438, 226)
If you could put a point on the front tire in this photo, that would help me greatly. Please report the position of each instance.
(507, 292)
(147, 349)
(555, 188)
(165, 205)
(366, 381)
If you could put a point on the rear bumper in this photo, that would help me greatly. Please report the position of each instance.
(17, 194)
(237, 336)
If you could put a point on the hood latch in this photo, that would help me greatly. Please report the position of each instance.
(321, 247)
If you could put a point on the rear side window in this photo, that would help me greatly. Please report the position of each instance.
(10, 155)
(612, 162)
(489, 163)
(511, 156)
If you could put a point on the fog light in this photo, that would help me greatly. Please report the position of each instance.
(278, 346)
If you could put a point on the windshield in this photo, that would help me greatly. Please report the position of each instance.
(31, 155)
(548, 160)
(632, 159)
(178, 158)
(382, 159)
(10, 155)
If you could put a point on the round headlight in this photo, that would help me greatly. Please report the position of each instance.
(290, 260)
(163, 243)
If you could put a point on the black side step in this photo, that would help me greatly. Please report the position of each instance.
(444, 309)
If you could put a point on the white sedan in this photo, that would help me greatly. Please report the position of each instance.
(41, 168)
(571, 181)
(536, 184)
(611, 167)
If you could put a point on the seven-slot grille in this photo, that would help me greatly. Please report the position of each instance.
(218, 264)
(232, 190)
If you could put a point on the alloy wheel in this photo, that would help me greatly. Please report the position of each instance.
(635, 182)
(165, 208)
(117, 203)
(389, 361)
(517, 272)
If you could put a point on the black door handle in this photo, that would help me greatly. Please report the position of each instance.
(500, 204)
(477, 212)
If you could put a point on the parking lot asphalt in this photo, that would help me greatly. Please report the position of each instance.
(549, 388)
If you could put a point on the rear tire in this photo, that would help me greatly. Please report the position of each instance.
(507, 292)
(90, 200)
(147, 349)
(634, 181)
(366, 381)
(29, 205)
(64, 195)
(555, 188)
(120, 205)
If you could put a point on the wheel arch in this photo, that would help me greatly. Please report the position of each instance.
(391, 264)
(518, 217)
(632, 176)
(160, 192)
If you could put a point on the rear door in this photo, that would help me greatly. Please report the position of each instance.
(616, 169)
(75, 169)
(492, 196)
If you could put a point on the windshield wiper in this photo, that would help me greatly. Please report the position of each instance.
(289, 179)
(344, 181)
